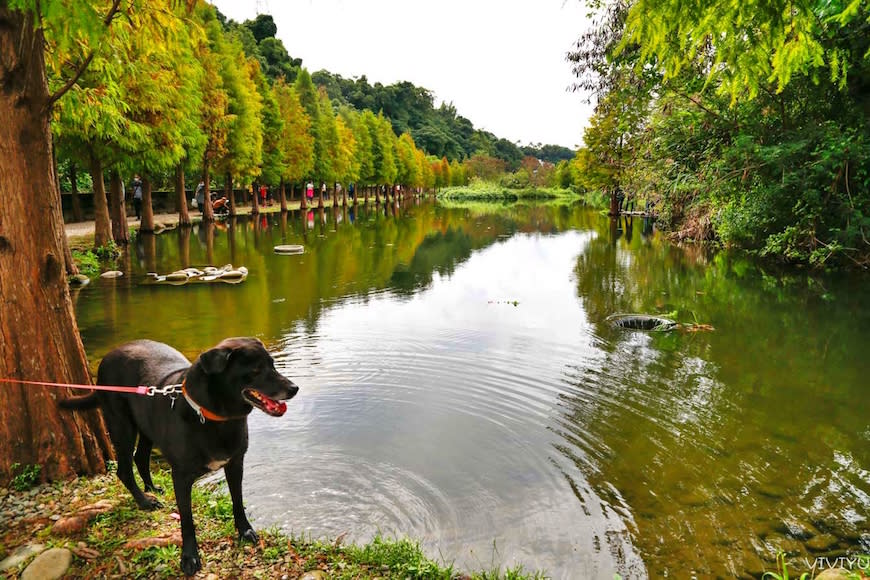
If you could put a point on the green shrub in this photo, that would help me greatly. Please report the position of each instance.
(26, 476)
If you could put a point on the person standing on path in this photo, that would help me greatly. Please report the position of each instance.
(199, 197)
(137, 196)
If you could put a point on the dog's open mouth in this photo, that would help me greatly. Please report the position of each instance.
(264, 403)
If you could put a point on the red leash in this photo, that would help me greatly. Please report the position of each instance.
(140, 390)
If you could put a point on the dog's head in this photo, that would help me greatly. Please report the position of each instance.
(241, 372)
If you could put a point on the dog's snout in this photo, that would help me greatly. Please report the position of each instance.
(290, 387)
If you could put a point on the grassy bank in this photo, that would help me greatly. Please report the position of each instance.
(101, 548)
(493, 192)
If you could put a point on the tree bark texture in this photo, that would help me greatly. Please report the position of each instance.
(228, 191)
(181, 197)
(102, 221)
(282, 193)
(206, 209)
(118, 210)
(255, 199)
(147, 223)
(39, 338)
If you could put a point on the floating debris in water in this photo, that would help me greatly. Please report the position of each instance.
(226, 274)
(286, 249)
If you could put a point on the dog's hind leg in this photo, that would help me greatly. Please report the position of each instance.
(122, 432)
(233, 472)
(143, 463)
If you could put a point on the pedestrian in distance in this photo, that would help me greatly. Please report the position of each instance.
(199, 197)
(137, 196)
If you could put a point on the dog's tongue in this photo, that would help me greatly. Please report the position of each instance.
(276, 408)
(266, 404)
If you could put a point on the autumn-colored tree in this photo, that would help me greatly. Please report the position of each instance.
(242, 156)
(347, 165)
(446, 181)
(215, 119)
(385, 143)
(327, 156)
(297, 141)
(407, 170)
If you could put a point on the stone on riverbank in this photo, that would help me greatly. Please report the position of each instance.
(49, 565)
(79, 280)
(20, 556)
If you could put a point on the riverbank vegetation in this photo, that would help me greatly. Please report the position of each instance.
(118, 539)
(745, 124)
(479, 190)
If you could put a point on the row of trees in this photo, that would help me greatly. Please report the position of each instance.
(746, 122)
(174, 90)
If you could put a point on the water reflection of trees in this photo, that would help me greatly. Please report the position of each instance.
(723, 446)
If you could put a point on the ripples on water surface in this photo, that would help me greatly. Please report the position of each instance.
(460, 385)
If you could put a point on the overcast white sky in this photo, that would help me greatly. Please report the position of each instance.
(501, 62)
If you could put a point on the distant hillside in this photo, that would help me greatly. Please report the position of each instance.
(440, 131)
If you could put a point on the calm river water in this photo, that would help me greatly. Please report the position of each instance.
(460, 385)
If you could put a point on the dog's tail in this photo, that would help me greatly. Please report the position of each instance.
(77, 403)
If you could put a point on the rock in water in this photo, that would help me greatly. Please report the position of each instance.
(79, 280)
(49, 565)
(112, 274)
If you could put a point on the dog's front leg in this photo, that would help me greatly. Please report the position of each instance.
(233, 472)
(190, 562)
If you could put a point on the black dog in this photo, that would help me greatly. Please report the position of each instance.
(204, 429)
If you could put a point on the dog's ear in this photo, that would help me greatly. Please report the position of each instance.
(215, 361)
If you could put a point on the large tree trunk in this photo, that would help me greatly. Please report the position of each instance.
(69, 264)
(228, 191)
(78, 216)
(102, 221)
(206, 209)
(147, 223)
(39, 339)
(255, 199)
(181, 197)
(118, 210)
(282, 193)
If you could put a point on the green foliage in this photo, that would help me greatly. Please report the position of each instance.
(87, 261)
(25, 476)
(740, 147)
(109, 251)
(746, 46)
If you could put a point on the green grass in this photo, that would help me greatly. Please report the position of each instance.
(277, 553)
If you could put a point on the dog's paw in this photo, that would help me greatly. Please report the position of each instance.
(150, 503)
(190, 564)
(249, 535)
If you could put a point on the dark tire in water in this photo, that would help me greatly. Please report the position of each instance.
(641, 322)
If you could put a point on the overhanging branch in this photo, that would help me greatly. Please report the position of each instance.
(107, 21)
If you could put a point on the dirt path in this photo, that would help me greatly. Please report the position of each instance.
(80, 232)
